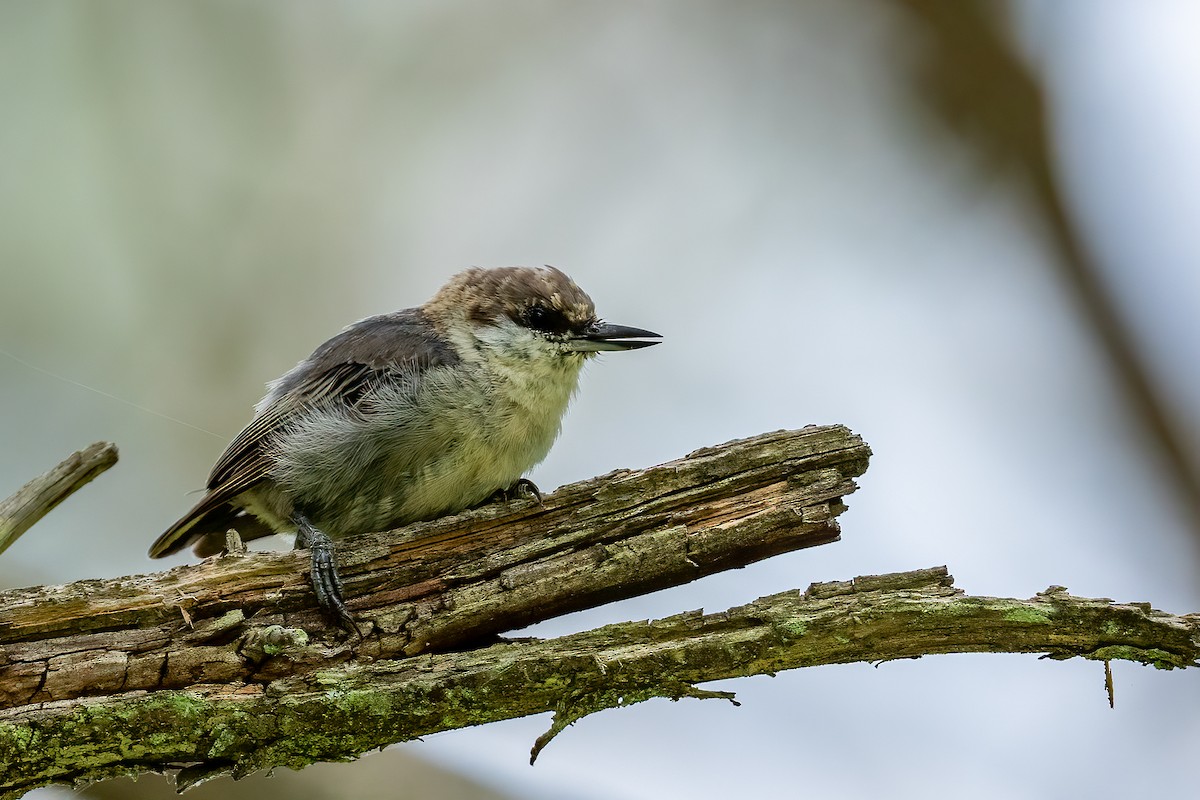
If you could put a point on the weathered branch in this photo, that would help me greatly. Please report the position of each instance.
(433, 586)
(226, 667)
(346, 710)
(38, 498)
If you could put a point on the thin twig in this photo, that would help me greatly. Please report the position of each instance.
(37, 498)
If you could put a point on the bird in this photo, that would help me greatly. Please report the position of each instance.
(406, 416)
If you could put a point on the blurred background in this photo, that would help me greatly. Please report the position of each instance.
(967, 230)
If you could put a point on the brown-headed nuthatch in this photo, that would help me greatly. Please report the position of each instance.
(405, 417)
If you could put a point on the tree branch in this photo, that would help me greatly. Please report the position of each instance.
(449, 583)
(346, 710)
(227, 667)
(38, 498)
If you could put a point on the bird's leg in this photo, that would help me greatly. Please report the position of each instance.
(325, 581)
(526, 488)
(522, 488)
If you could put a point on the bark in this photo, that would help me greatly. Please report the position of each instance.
(227, 667)
(450, 583)
(343, 711)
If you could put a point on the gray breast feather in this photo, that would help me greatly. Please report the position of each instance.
(416, 445)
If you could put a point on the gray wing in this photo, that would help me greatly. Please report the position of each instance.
(341, 371)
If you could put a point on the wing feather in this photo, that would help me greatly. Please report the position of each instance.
(341, 371)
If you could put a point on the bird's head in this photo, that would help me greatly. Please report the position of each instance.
(522, 313)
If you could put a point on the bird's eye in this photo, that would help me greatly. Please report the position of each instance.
(546, 320)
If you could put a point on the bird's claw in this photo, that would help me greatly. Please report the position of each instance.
(525, 488)
(522, 488)
(326, 583)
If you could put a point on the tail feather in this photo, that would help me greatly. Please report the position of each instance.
(205, 527)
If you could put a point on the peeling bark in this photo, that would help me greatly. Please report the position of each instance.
(227, 667)
(343, 711)
(449, 583)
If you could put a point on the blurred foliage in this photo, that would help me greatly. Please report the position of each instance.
(975, 81)
(195, 194)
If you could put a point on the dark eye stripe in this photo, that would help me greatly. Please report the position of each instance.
(545, 319)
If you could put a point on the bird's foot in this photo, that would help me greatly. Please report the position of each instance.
(326, 583)
(522, 488)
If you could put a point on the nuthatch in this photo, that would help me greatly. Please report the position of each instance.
(406, 416)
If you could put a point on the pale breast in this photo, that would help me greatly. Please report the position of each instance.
(420, 454)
